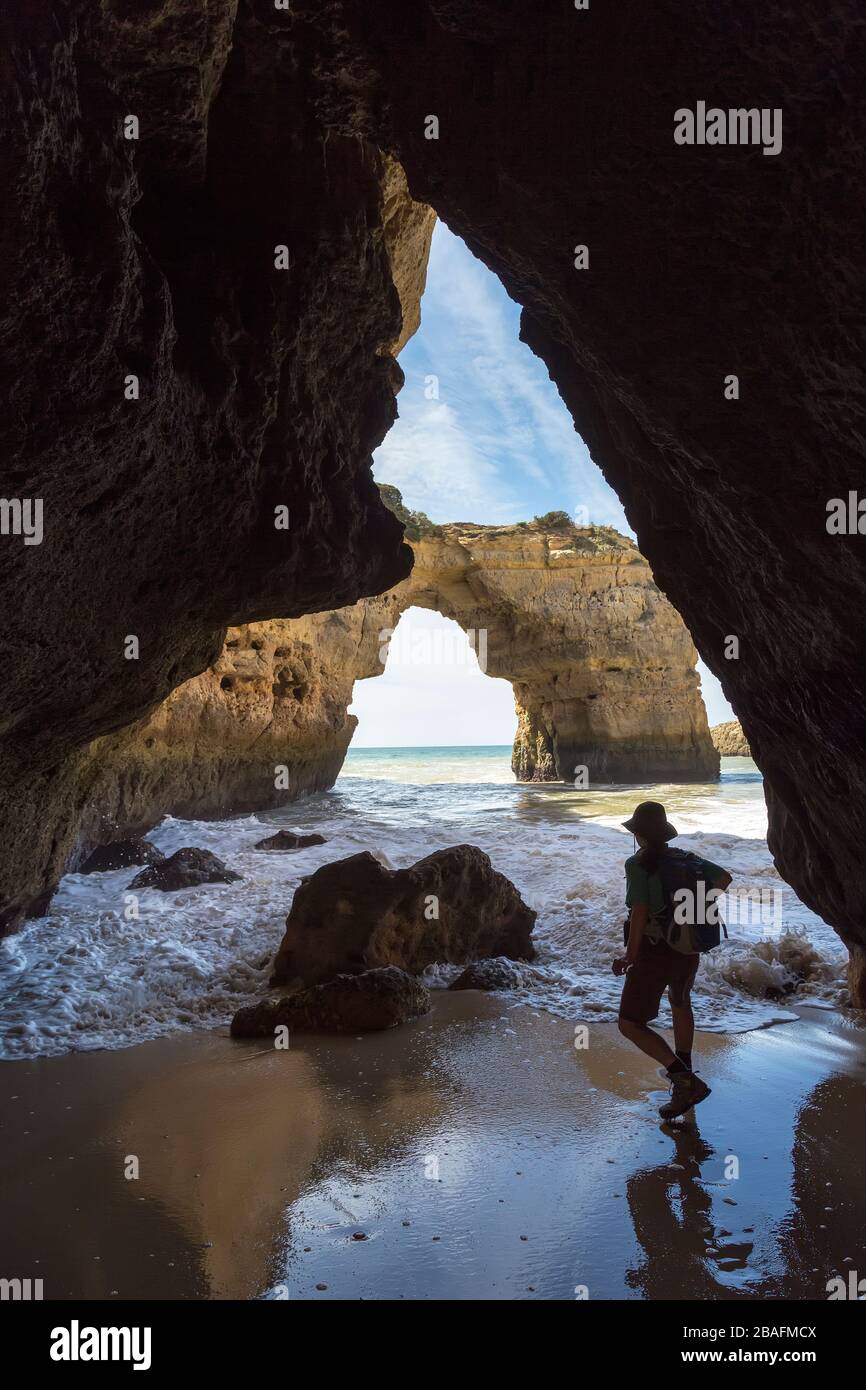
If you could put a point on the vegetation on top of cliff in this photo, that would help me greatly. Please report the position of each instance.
(555, 521)
(417, 524)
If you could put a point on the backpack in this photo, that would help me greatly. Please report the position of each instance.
(690, 922)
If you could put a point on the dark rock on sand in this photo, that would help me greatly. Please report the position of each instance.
(121, 854)
(286, 839)
(495, 973)
(187, 868)
(355, 915)
(366, 1003)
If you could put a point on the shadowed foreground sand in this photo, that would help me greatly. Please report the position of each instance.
(477, 1151)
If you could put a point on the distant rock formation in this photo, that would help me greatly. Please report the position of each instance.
(356, 915)
(730, 741)
(602, 667)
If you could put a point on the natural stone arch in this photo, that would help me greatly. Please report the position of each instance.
(602, 668)
(556, 128)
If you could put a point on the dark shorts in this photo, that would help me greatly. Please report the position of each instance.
(657, 968)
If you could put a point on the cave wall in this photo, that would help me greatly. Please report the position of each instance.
(556, 130)
(258, 388)
(261, 127)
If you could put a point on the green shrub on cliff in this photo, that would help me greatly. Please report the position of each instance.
(554, 521)
(417, 524)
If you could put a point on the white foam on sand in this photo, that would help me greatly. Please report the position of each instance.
(89, 975)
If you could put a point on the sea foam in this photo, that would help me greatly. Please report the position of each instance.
(86, 976)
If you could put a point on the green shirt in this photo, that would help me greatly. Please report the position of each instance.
(641, 887)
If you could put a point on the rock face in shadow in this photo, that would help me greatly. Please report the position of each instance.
(556, 131)
(287, 840)
(260, 388)
(121, 854)
(496, 973)
(187, 868)
(196, 420)
(730, 741)
(356, 915)
(366, 1003)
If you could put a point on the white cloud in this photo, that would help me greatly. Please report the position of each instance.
(432, 691)
(499, 445)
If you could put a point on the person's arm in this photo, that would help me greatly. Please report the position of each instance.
(637, 921)
(638, 898)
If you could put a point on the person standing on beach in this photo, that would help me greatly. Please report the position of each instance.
(651, 964)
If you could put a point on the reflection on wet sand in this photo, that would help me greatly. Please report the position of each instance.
(475, 1154)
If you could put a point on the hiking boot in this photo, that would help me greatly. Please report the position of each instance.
(686, 1090)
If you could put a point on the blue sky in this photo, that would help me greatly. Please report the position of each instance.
(496, 446)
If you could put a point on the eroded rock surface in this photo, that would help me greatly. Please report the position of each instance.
(168, 387)
(556, 131)
(496, 973)
(121, 854)
(186, 868)
(730, 741)
(365, 1003)
(602, 666)
(287, 840)
(262, 127)
(357, 915)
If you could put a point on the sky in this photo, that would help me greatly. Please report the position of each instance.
(482, 436)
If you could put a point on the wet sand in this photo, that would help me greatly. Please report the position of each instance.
(476, 1151)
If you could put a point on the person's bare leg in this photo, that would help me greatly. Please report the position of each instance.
(650, 1042)
(684, 1026)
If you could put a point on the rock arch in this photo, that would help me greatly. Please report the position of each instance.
(555, 128)
(602, 667)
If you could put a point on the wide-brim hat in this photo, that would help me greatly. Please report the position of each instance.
(651, 822)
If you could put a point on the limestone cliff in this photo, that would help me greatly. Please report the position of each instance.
(602, 667)
(730, 741)
(259, 127)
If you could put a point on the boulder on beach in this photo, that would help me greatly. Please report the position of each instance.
(366, 1003)
(187, 868)
(730, 741)
(287, 839)
(494, 973)
(121, 854)
(356, 914)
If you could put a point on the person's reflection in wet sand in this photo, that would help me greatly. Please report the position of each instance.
(671, 1212)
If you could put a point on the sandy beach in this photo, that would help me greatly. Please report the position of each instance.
(473, 1154)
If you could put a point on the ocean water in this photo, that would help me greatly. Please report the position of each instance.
(88, 975)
